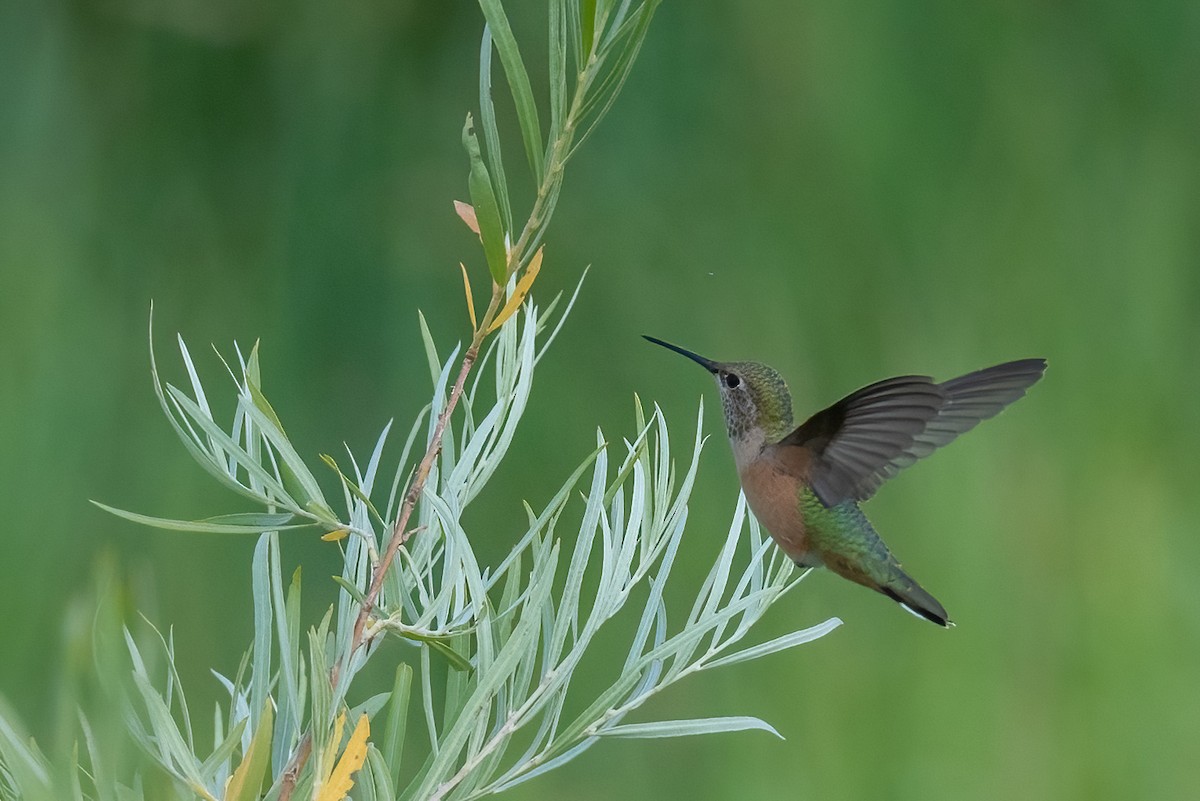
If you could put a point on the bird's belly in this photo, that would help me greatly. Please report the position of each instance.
(775, 500)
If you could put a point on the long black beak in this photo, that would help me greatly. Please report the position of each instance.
(707, 364)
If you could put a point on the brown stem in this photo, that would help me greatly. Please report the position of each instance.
(292, 771)
(400, 533)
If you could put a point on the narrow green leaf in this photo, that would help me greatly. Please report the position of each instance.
(524, 637)
(512, 778)
(599, 707)
(98, 768)
(635, 453)
(508, 598)
(491, 133)
(246, 782)
(778, 644)
(562, 318)
(253, 369)
(350, 588)
(266, 521)
(197, 387)
(352, 488)
(255, 524)
(553, 508)
(225, 748)
(518, 81)
(268, 423)
(614, 25)
(287, 633)
(260, 401)
(366, 787)
(369, 707)
(487, 212)
(431, 355)
(587, 28)
(687, 728)
(397, 721)
(260, 586)
(213, 464)
(172, 752)
(20, 756)
(323, 709)
(385, 785)
(615, 81)
(436, 644)
(558, 67)
(402, 462)
(275, 490)
(457, 685)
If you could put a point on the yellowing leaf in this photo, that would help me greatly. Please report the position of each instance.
(467, 213)
(199, 790)
(518, 295)
(334, 536)
(331, 748)
(339, 782)
(470, 300)
(246, 782)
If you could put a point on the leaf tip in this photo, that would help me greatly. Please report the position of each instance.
(466, 213)
(470, 297)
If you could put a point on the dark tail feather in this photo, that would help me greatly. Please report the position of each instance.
(914, 599)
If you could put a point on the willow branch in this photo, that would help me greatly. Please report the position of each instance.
(527, 241)
(530, 233)
(400, 532)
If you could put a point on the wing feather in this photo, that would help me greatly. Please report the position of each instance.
(870, 435)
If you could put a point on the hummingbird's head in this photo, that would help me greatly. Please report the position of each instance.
(754, 397)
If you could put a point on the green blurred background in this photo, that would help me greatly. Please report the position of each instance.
(846, 190)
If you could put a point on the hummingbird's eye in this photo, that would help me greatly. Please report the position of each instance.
(732, 381)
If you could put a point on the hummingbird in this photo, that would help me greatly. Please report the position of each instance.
(804, 483)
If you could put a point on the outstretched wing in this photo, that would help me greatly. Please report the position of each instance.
(864, 439)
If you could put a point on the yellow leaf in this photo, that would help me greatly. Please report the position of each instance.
(518, 295)
(467, 212)
(331, 747)
(199, 790)
(339, 782)
(470, 300)
(335, 535)
(246, 782)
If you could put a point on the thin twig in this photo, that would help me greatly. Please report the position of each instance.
(530, 235)
(400, 533)
(292, 771)
(537, 218)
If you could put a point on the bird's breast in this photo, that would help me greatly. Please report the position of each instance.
(774, 497)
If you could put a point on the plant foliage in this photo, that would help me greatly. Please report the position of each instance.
(485, 695)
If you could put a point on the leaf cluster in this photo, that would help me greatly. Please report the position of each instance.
(484, 693)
